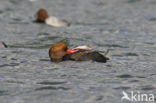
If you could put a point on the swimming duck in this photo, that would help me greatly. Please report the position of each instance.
(59, 52)
(43, 17)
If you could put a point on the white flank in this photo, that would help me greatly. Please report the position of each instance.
(53, 21)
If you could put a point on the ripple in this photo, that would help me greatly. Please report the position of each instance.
(152, 19)
(152, 2)
(132, 1)
(122, 88)
(37, 43)
(43, 34)
(14, 2)
(145, 54)
(15, 81)
(111, 45)
(99, 3)
(99, 98)
(8, 9)
(17, 19)
(4, 57)
(109, 65)
(153, 74)
(47, 37)
(118, 55)
(45, 59)
(147, 87)
(52, 83)
(1, 12)
(51, 88)
(11, 64)
(134, 81)
(130, 54)
(89, 23)
(125, 76)
(16, 51)
(3, 92)
(150, 43)
(18, 22)
(140, 76)
(31, 46)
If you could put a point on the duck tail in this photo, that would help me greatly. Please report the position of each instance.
(106, 53)
(4, 45)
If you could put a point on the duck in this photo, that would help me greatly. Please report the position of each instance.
(60, 52)
(42, 16)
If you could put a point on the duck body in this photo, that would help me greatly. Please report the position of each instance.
(53, 21)
(81, 53)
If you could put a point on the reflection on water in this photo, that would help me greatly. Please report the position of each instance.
(126, 27)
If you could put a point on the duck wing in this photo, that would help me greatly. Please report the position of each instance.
(86, 55)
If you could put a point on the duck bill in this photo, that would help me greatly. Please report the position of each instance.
(70, 51)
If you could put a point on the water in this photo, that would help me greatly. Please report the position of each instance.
(126, 27)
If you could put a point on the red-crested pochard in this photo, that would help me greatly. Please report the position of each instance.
(59, 52)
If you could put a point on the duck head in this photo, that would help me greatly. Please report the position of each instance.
(41, 15)
(57, 51)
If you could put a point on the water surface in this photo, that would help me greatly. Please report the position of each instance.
(126, 27)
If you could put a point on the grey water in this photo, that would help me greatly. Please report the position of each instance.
(126, 27)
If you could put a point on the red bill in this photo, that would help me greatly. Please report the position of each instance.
(70, 51)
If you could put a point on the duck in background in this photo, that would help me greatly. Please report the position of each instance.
(59, 52)
(43, 17)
